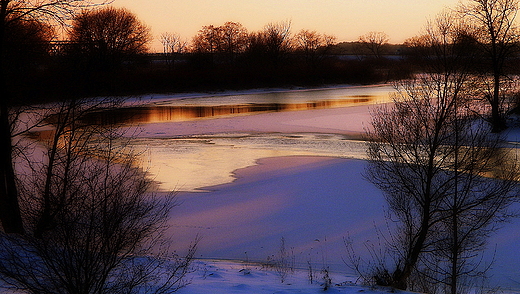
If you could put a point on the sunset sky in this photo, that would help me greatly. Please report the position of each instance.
(346, 19)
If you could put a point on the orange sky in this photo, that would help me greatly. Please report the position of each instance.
(346, 19)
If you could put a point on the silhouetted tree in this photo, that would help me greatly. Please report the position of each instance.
(92, 224)
(27, 43)
(172, 46)
(313, 45)
(208, 40)
(493, 22)
(76, 215)
(446, 46)
(11, 13)
(432, 158)
(433, 178)
(374, 42)
(226, 41)
(234, 37)
(109, 36)
(277, 40)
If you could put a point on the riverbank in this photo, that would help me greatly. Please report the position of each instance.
(311, 202)
(315, 204)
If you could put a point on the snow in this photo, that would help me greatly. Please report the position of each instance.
(225, 277)
(309, 201)
(313, 202)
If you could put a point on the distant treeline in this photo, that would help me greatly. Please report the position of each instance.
(93, 62)
(68, 73)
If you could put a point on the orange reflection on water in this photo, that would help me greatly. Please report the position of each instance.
(154, 114)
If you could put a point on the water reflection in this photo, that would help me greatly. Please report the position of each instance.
(183, 109)
(187, 164)
(154, 114)
(377, 93)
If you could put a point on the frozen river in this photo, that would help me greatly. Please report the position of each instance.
(190, 142)
(256, 167)
(188, 164)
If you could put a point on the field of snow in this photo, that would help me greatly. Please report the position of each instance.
(226, 277)
(313, 202)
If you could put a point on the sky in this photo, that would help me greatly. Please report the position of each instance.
(346, 19)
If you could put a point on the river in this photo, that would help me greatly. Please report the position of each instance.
(193, 142)
(271, 165)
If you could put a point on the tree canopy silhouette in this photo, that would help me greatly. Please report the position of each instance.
(108, 35)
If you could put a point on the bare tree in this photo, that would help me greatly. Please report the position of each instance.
(313, 45)
(234, 38)
(432, 158)
(447, 45)
(77, 220)
(55, 11)
(106, 36)
(277, 39)
(309, 40)
(25, 44)
(227, 41)
(173, 45)
(208, 40)
(471, 212)
(427, 168)
(374, 42)
(494, 22)
(91, 220)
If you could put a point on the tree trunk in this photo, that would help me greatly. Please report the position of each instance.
(10, 215)
(9, 208)
(497, 121)
(400, 277)
(454, 252)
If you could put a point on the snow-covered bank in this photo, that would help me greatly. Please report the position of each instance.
(225, 277)
(312, 202)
